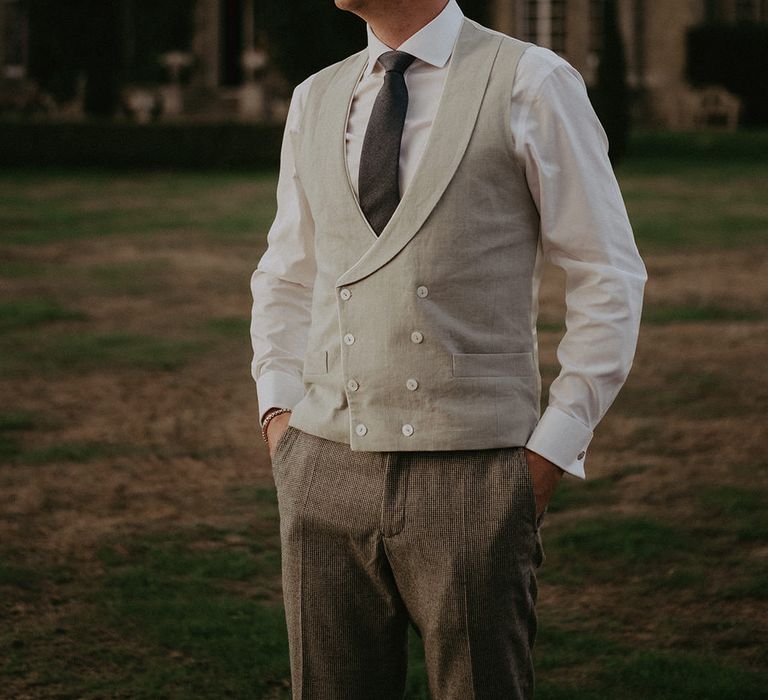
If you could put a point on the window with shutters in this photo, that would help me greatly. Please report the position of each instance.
(544, 22)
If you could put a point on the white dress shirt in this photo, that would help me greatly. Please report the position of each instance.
(584, 229)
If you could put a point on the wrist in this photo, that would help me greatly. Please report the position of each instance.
(272, 413)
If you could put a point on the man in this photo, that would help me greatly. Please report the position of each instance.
(422, 182)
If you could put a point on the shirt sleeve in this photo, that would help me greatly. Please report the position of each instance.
(282, 283)
(585, 231)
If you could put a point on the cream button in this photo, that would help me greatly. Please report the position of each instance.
(345, 293)
(412, 384)
(422, 291)
(353, 385)
(417, 336)
(349, 339)
(407, 430)
(360, 429)
(580, 455)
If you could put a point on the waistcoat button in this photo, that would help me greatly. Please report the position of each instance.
(353, 385)
(407, 429)
(412, 384)
(417, 336)
(349, 339)
(360, 429)
(345, 293)
(422, 291)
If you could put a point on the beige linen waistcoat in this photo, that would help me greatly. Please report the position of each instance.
(424, 338)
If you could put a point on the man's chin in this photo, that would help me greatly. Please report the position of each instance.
(351, 5)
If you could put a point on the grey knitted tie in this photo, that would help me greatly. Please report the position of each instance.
(378, 180)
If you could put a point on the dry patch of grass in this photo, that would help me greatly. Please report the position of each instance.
(138, 524)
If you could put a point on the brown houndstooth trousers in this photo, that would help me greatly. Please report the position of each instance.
(446, 540)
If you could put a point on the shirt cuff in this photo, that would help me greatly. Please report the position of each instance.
(278, 389)
(561, 439)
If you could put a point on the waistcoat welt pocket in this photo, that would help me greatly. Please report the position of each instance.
(316, 362)
(493, 364)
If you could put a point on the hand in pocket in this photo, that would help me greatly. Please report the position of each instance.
(275, 430)
(545, 475)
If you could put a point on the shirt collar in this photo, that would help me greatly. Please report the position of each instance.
(433, 43)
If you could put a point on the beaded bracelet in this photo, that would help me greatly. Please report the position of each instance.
(268, 418)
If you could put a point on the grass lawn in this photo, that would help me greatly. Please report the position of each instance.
(139, 536)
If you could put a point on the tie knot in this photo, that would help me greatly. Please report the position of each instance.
(397, 61)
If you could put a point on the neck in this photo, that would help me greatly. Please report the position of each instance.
(400, 20)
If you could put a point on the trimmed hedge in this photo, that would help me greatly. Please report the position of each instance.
(248, 146)
(746, 145)
(159, 145)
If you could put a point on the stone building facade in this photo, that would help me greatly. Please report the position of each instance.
(654, 38)
(653, 31)
(225, 68)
